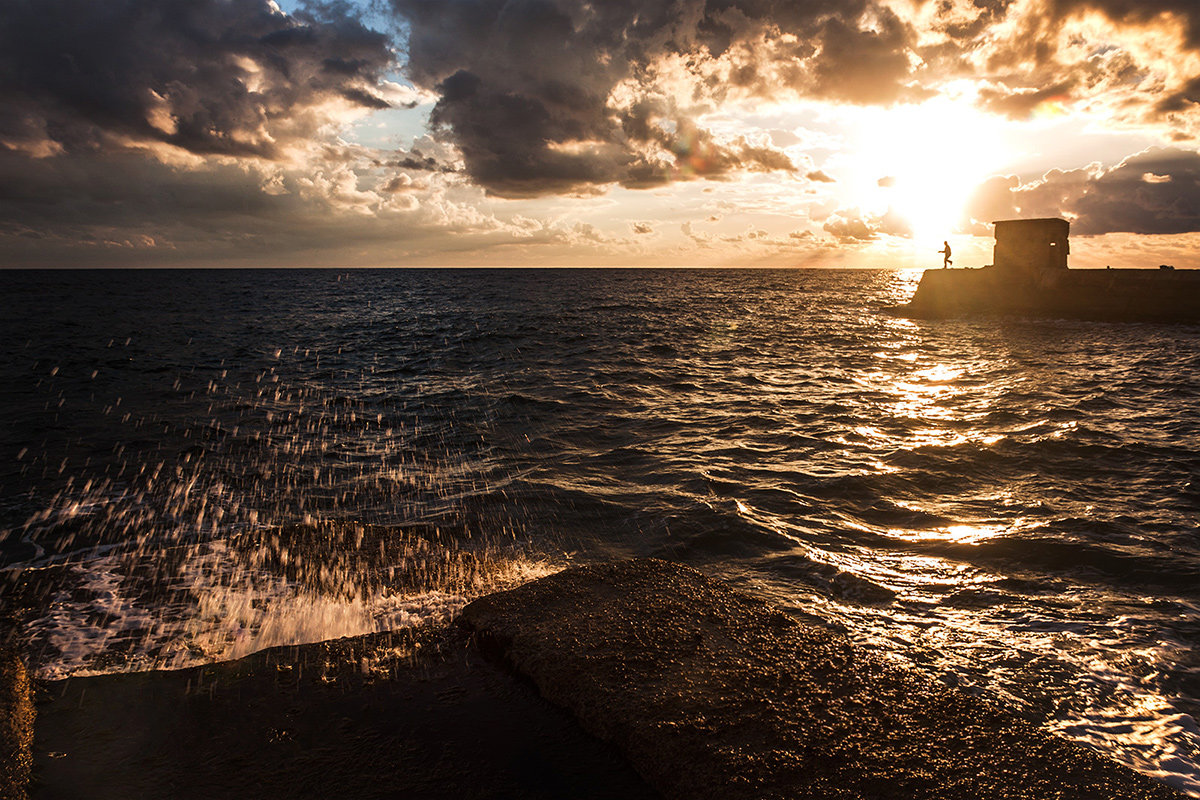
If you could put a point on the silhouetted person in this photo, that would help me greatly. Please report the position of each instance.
(946, 252)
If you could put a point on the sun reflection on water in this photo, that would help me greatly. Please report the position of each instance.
(959, 534)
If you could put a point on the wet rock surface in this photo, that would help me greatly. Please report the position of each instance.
(414, 714)
(713, 694)
(16, 725)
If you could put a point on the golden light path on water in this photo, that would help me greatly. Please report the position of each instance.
(1080, 630)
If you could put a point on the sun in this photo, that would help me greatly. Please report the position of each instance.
(922, 161)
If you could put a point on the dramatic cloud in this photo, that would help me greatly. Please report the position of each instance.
(206, 131)
(992, 200)
(866, 65)
(849, 226)
(1131, 61)
(1155, 192)
(1136, 12)
(124, 208)
(1023, 103)
(229, 77)
(548, 96)
(150, 130)
(1186, 98)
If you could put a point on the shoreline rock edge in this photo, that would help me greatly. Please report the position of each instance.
(16, 726)
(711, 693)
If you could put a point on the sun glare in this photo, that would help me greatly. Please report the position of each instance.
(922, 161)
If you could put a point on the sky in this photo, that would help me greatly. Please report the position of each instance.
(840, 133)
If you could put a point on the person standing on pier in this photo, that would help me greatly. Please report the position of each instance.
(946, 252)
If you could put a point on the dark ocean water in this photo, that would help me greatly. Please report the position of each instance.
(200, 464)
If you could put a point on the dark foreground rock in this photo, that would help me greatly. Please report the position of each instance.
(16, 726)
(415, 714)
(707, 692)
(712, 694)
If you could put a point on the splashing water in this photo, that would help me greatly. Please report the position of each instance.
(288, 500)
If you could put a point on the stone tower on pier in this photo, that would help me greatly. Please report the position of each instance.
(1031, 246)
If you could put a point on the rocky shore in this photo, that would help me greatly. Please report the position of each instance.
(687, 688)
(16, 725)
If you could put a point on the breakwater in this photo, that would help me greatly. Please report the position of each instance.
(1115, 295)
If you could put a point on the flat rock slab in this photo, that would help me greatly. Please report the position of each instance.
(713, 694)
(414, 715)
(16, 726)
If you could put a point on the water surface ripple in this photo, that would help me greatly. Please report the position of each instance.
(200, 464)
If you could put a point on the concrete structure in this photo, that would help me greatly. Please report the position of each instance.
(1031, 245)
(1030, 278)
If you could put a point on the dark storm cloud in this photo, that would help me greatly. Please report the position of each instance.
(546, 96)
(1139, 12)
(123, 209)
(1185, 99)
(101, 204)
(230, 77)
(1154, 192)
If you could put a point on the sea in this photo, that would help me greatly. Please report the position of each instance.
(199, 464)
